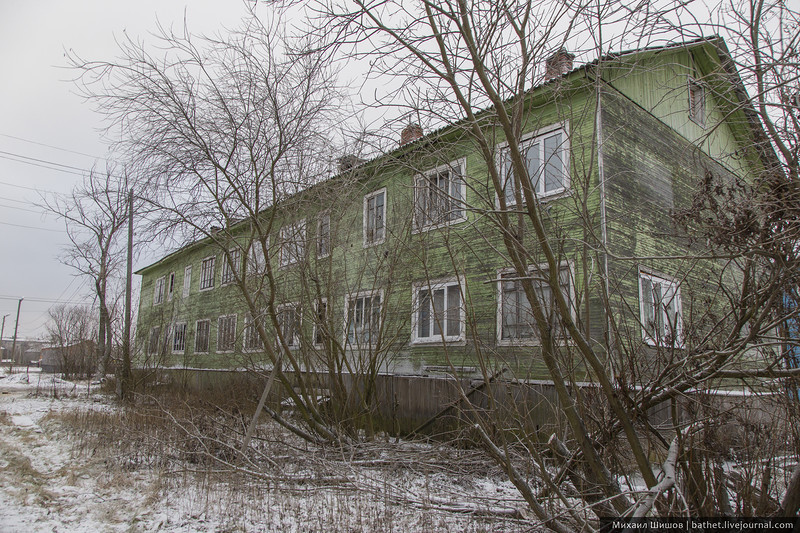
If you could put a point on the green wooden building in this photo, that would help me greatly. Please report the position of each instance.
(397, 265)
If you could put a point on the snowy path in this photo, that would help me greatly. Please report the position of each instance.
(46, 485)
(42, 488)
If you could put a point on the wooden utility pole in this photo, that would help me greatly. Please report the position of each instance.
(2, 332)
(16, 327)
(125, 373)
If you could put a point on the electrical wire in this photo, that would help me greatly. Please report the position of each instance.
(51, 146)
(35, 299)
(22, 209)
(32, 227)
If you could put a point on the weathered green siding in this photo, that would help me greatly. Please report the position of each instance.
(652, 155)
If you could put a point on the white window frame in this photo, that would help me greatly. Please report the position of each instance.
(229, 271)
(289, 238)
(256, 260)
(170, 286)
(321, 254)
(197, 336)
(437, 338)
(316, 333)
(537, 275)
(697, 109)
(358, 344)
(158, 291)
(538, 136)
(187, 280)
(454, 197)
(176, 328)
(370, 240)
(249, 333)
(154, 335)
(221, 331)
(293, 307)
(671, 294)
(207, 273)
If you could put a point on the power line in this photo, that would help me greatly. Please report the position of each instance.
(38, 160)
(51, 146)
(31, 227)
(45, 300)
(42, 166)
(24, 187)
(15, 200)
(22, 209)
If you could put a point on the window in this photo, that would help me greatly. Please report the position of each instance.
(697, 102)
(289, 324)
(256, 263)
(438, 197)
(226, 333)
(187, 280)
(170, 286)
(660, 307)
(252, 340)
(438, 313)
(293, 241)
(154, 343)
(202, 335)
(546, 157)
(515, 321)
(374, 217)
(207, 273)
(230, 268)
(324, 234)
(363, 319)
(158, 291)
(321, 323)
(179, 337)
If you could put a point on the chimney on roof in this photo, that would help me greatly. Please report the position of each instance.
(410, 133)
(347, 162)
(558, 64)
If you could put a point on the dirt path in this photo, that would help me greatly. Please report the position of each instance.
(44, 488)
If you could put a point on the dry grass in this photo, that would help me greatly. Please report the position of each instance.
(190, 448)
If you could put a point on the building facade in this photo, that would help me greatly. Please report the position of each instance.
(397, 264)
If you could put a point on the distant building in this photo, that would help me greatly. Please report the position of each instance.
(74, 360)
(27, 351)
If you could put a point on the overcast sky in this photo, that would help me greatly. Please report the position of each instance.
(48, 134)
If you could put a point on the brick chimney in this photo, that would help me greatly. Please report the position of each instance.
(410, 133)
(558, 64)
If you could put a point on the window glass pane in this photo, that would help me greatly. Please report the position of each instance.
(438, 311)
(553, 165)
(455, 194)
(375, 318)
(202, 335)
(648, 309)
(533, 164)
(453, 311)
(508, 186)
(187, 280)
(424, 315)
(379, 216)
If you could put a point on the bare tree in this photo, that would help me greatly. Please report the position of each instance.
(224, 129)
(96, 214)
(71, 331)
(478, 66)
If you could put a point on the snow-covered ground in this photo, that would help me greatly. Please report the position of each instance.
(56, 478)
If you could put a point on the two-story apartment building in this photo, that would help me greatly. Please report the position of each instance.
(397, 264)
